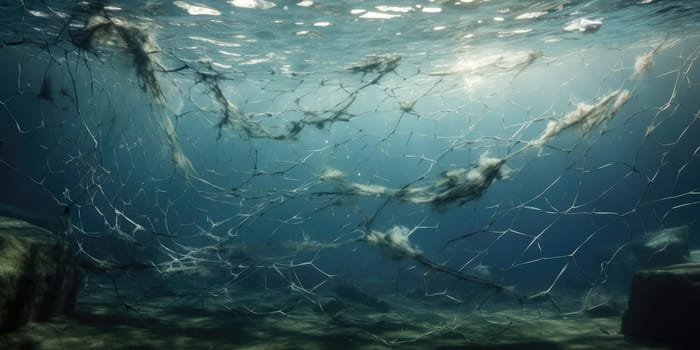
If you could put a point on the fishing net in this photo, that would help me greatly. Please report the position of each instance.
(259, 155)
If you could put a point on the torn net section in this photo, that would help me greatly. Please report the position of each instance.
(258, 181)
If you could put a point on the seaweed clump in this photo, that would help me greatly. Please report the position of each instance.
(100, 28)
(137, 43)
(454, 188)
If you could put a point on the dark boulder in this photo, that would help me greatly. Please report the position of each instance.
(664, 305)
(38, 279)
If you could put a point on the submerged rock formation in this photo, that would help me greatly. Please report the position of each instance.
(354, 295)
(37, 277)
(664, 305)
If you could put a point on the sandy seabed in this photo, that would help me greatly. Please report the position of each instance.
(102, 322)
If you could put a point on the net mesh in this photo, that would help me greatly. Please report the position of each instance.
(255, 170)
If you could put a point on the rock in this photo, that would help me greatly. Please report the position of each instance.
(694, 256)
(37, 277)
(331, 307)
(354, 295)
(664, 305)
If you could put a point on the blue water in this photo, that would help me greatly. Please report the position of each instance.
(246, 206)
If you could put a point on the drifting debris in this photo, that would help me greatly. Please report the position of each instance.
(643, 63)
(454, 187)
(381, 64)
(585, 116)
(460, 186)
(101, 29)
(584, 25)
(395, 244)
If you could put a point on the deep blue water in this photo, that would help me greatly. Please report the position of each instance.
(216, 172)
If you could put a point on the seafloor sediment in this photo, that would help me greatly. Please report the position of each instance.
(102, 322)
